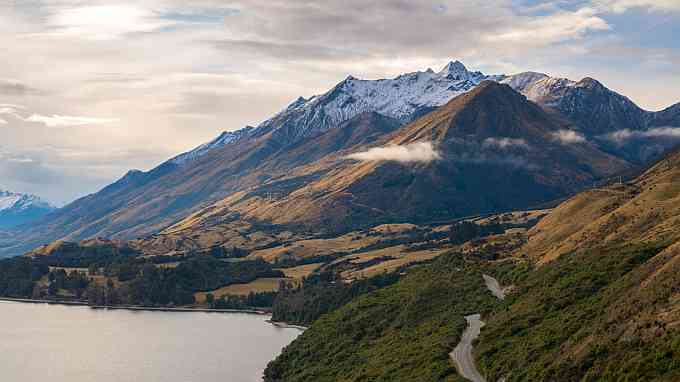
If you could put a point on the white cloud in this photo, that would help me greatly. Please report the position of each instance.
(624, 135)
(66, 121)
(504, 143)
(105, 21)
(620, 6)
(3, 122)
(412, 152)
(6, 108)
(568, 137)
(557, 27)
(21, 160)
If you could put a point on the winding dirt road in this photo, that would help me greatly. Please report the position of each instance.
(462, 354)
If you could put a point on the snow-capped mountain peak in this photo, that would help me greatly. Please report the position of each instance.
(18, 202)
(18, 208)
(403, 98)
(522, 81)
(455, 68)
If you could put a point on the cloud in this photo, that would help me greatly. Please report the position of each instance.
(568, 137)
(6, 108)
(622, 136)
(105, 21)
(557, 27)
(189, 70)
(412, 152)
(12, 110)
(15, 88)
(21, 160)
(620, 6)
(504, 143)
(66, 121)
(3, 122)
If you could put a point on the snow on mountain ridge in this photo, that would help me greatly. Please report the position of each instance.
(398, 97)
(223, 139)
(402, 98)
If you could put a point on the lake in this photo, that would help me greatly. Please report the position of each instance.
(40, 342)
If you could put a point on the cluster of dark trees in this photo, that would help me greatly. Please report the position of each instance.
(227, 253)
(132, 280)
(322, 293)
(72, 255)
(414, 235)
(290, 262)
(466, 231)
(252, 300)
(19, 275)
(75, 282)
(152, 286)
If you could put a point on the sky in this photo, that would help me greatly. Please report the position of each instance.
(92, 89)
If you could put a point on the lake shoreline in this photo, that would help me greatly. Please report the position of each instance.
(136, 307)
(259, 312)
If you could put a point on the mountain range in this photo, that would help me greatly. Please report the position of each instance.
(422, 147)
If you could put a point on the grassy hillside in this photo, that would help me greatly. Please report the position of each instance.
(603, 302)
(403, 332)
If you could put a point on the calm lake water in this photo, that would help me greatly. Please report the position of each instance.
(40, 342)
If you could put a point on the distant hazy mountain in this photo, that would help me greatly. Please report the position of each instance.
(16, 209)
(500, 149)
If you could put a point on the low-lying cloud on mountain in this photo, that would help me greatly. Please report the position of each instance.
(504, 143)
(423, 152)
(568, 137)
(626, 135)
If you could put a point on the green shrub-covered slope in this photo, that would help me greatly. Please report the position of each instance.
(403, 332)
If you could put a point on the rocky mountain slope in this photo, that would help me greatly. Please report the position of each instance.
(491, 130)
(16, 209)
(278, 154)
